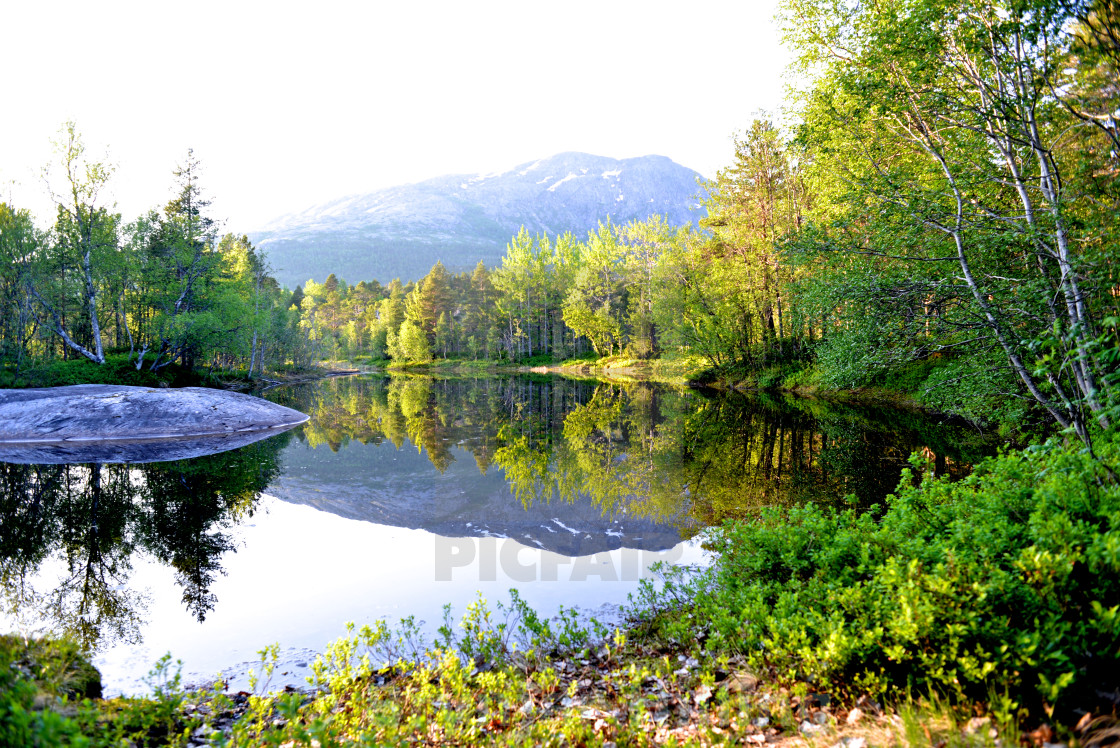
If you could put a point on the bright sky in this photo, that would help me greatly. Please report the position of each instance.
(288, 105)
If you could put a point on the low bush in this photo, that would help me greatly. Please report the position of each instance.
(1005, 584)
(117, 369)
(775, 376)
(977, 388)
(910, 376)
(806, 376)
(33, 674)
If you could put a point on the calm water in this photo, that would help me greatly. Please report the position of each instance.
(402, 494)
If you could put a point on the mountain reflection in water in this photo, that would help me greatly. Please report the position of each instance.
(572, 467)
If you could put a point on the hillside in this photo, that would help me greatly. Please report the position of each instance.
(461, 219)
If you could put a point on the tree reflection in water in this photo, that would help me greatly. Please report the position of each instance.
(88, 520)
(687, 457)
(682, 459)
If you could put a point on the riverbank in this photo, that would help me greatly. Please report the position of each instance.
(622, 692)
(825, 625)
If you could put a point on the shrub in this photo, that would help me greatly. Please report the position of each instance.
(1007, 583)
(977, 388)
(33, 673)
(117, 369)
(807, 376)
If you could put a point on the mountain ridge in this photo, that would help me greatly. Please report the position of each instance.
(460, 219)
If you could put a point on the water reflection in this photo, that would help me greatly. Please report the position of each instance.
(80, 525)
(574, 468)
(135, 451)
(685, 459)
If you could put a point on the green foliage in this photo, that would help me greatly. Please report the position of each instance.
(56, 665)
(18, 238)
(738, 309)
(955, 212)
(774, 377)
(118, 368)
(158, 720)
(501, 676)
(805, 376)
(977, 388)
(413, 344)
(163, 287)
(35, 673)
(1005, 583)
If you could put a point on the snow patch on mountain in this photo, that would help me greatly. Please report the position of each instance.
(565, 179)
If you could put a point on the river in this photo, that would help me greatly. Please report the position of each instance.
(403, 494)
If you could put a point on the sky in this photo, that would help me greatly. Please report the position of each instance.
(291, 105)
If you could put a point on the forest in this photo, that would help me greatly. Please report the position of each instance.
(158, 291)
(938, 217)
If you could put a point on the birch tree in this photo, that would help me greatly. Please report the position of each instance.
(939, 128)
(84, 232)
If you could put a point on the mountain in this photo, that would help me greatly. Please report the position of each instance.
(461, 219)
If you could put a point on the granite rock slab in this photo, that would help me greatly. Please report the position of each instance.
(117, 421)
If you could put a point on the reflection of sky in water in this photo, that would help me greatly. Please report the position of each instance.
(321, 570)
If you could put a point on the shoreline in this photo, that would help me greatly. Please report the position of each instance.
(629, 373)
(683, 689)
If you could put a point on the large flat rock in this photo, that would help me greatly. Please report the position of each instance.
(58, 417)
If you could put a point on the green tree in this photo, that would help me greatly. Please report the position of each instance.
(596, 303)
(249, 292)
(183, 263)
(645, 243)
(752, 204)
(444, 337)
(705, 303)
(413, 344)
(19, 240)
(430, 299)
(478, 308)
(517, 283)
(84, 233)
(934, 132)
